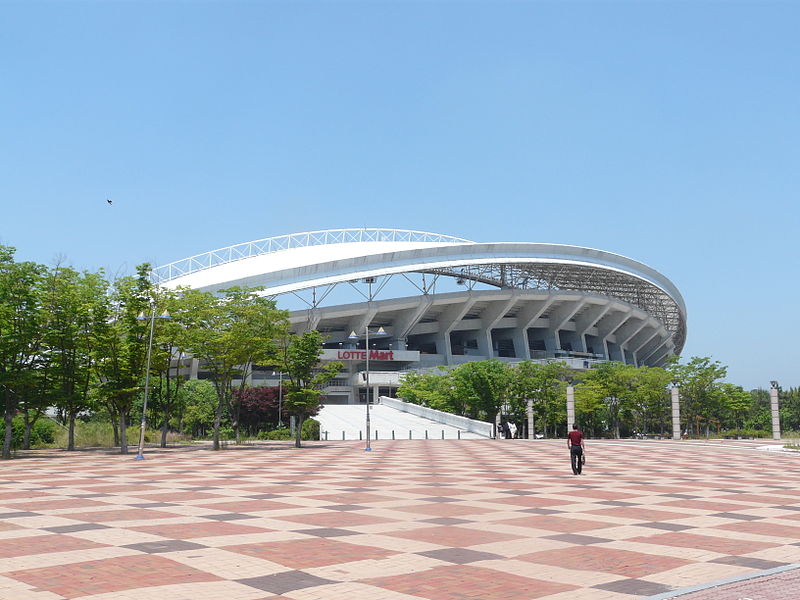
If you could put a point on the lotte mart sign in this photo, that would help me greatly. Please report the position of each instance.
(384, 355)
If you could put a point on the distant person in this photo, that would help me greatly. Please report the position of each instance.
(576, 448)
(512, 427)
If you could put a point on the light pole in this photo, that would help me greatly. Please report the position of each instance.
(152, 317)
(354, 336)
(280, 396)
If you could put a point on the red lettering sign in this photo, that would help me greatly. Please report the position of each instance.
(362, 355)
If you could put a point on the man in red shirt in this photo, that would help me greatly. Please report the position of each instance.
(575, 445)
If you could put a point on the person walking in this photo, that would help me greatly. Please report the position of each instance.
(576, 448)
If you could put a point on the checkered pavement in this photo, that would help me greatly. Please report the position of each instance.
(435, 520)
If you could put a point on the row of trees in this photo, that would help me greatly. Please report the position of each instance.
(75, 342)
(611, 399)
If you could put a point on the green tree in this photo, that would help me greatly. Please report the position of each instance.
(228, 334)
(299, 359)
(195, 407)
(699, 381)
(121, 348)
(736, 401)
(484, 386)
(612, 384)
(649, 400)
(544, 384)
(21, 330)
(72, 306)
(435, 390)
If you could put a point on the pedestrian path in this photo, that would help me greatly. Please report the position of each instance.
(411, 520)
(348, 421)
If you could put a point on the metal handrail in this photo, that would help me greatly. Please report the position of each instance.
(245, 250)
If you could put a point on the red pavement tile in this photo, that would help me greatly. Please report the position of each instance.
(734, 547)
(553, 523)
(336, 519)
(527, 501)
(640, 514)
(59, 504)
(20, 495)
(116, 489)
(444, 509)
(461, 582)
(756, 498)
(110, 575)
(131, 514)
(606, 560)
(354, 498)
(762, 528)
(456, 537)
(247, 506)
(309, 553)
(40, 544)
(601, 494)
(188, 531)
(176, 496)
(708, 505)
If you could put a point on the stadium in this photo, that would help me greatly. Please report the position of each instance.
(417, 300)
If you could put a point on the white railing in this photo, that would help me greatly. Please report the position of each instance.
(465, 423)
(244, 250)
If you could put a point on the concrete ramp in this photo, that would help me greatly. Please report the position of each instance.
(347, 421)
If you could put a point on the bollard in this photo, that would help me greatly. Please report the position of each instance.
(459, 434)
(426, 434)
(360, 435)
(326, 436)
(342, 434)
(442, 433)
(409, 434)
(392, 433)
(376, 434)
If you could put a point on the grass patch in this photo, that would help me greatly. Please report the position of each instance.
(101, 435)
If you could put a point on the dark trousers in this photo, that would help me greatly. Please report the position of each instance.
(576, 454)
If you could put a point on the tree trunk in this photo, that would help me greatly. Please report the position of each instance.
(71, 431)
(123, 433)
(114, 422)
(298, 430)
(26, 436)
(8, 418)
(164, 428)
(217, 421)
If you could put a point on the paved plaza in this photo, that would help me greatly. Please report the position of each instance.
(435, 520)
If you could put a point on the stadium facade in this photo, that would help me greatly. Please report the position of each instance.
(427, 300)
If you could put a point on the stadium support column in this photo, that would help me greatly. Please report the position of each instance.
(675, 392)
(775, 409)
(570, 407)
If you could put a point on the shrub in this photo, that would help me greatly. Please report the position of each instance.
(310, 430)
(747, 433)
(276, 434)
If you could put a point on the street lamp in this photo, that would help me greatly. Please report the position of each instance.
(354, 336)
(280, 396)
(152, 317)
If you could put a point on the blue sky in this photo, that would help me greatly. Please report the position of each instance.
(663, 131)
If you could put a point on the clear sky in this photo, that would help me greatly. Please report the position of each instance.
(664, 131)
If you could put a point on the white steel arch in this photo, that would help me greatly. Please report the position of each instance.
(291, 263)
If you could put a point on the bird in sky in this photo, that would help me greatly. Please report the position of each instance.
(109, 201)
